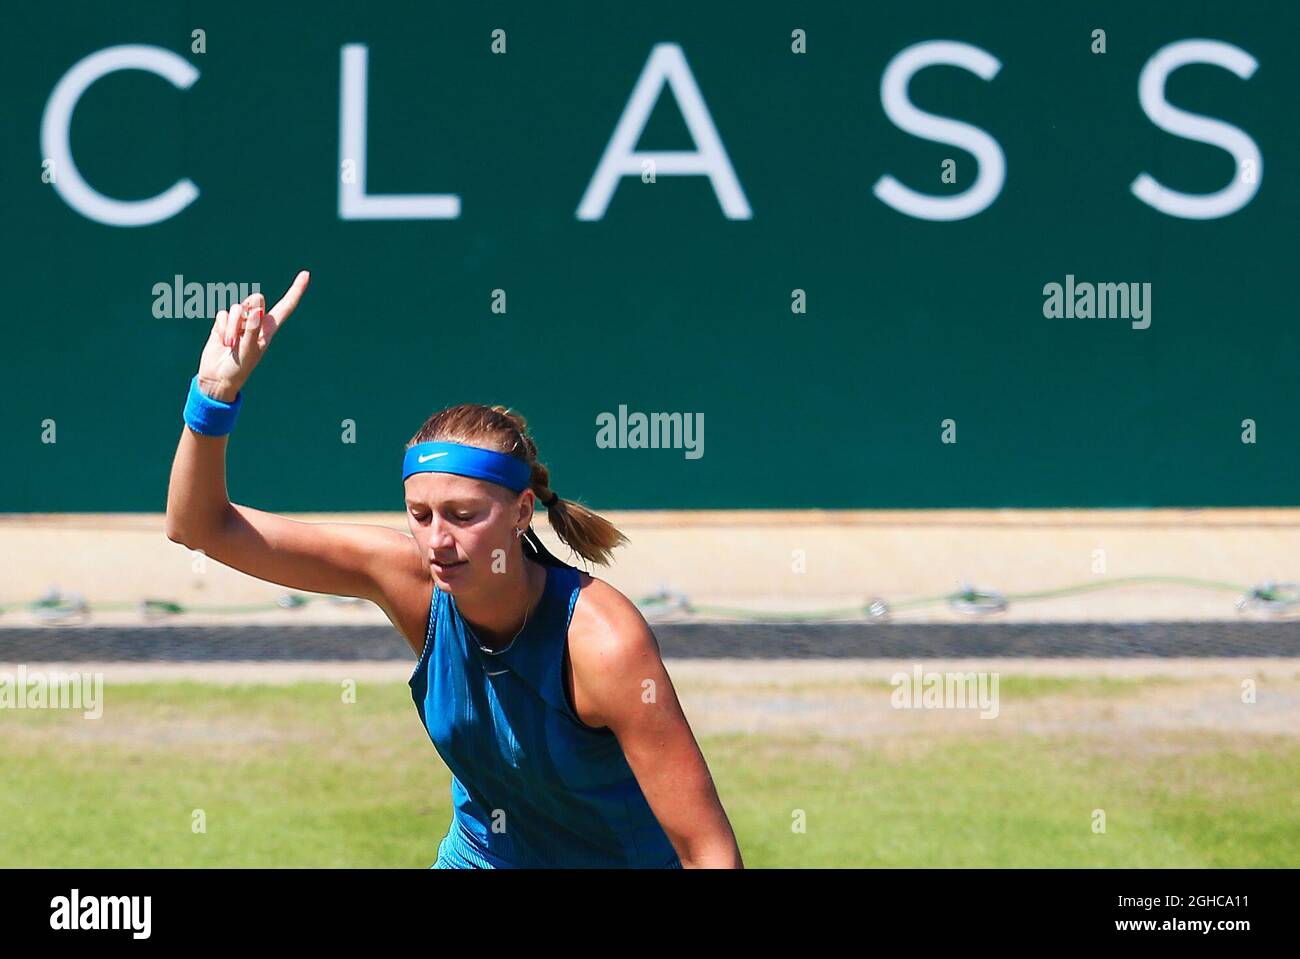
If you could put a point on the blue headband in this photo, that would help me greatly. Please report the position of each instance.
(440, 457)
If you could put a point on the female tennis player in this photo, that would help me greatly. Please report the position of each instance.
(541, 687)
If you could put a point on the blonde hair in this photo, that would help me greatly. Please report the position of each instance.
(497, 428)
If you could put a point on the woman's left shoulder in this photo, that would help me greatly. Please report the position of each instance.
(607, 626)
(612, 652)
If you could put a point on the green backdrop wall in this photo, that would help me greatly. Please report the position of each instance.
(665, 302)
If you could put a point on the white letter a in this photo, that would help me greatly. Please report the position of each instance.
(667, 62)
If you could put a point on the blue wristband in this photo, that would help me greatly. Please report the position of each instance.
(209, 416)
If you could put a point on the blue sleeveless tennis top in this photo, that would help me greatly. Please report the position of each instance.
(532, 785)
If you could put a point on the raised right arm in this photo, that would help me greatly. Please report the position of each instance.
(342, 559)
(375, 563)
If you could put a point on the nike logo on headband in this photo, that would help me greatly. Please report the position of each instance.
(430, 456)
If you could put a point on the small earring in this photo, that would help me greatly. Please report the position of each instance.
(518, 532)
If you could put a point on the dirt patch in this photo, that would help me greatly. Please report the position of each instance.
(1149, 710)
(1149, 706)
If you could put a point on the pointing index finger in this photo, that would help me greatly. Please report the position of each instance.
(289, 301)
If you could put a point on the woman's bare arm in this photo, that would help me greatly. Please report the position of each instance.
(341, 559)
(619, 675)
(345, 559)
